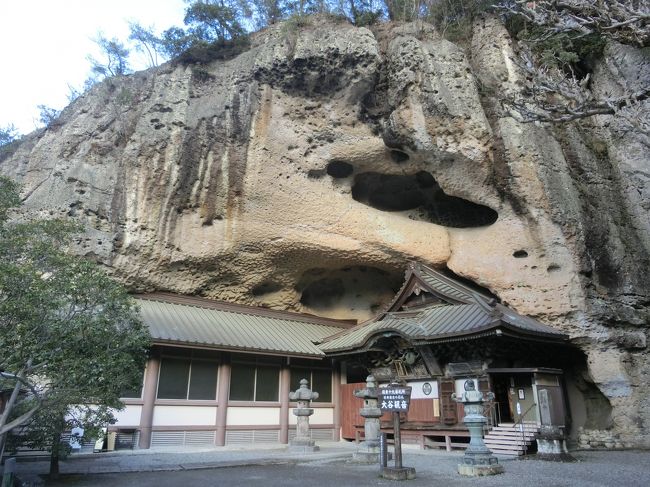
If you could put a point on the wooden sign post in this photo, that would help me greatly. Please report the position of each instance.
(396, 399)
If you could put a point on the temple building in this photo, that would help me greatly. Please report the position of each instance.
(220, 374)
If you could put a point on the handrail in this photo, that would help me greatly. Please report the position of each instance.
(520, 421)
(492, 411)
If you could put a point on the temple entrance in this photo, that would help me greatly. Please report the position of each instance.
(514, 395)
(500, 386)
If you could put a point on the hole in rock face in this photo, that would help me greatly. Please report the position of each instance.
(398, 156)
(519, 254)
(347, 293)
(339, 169)
(265, 288)
(419, 192)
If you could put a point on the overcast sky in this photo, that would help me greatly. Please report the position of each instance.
(44, 44)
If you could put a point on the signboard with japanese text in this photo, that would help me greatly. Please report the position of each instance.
(394, 399)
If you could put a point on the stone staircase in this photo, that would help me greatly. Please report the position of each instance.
(508, 438)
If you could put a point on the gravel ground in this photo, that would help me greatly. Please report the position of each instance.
(330, 468)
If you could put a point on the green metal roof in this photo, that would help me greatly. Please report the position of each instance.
(201, 322)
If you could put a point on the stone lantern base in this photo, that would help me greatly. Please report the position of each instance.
(479, 470)
(396, 473)
(479, 466)
(303, 445)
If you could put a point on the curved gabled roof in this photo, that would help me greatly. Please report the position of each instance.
(460, 313)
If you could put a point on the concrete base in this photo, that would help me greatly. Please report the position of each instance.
(300, 445)
(394, 473)
(368, 457)
(303, 449)
(551, 446)
(479, 470)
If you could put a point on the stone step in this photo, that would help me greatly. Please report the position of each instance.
(498, 451)
(499, 444)
(508, 447)
(513, 432)
(525, 423)
(507, 434)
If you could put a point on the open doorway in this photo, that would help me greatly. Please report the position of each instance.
(501, 389)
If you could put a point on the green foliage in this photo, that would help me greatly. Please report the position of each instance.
(296, 22)
(9, 137)
(146, 42)
(47, 115)
(567, 51)
(8, 134)
(175, 41)
(216, 20)
(454, 18)
(74, 332)
(115, 58)
(203, 52)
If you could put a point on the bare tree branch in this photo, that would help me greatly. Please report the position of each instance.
(625, 21)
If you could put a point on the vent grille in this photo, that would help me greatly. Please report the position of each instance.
(316, 434)
(251, 437)
(199, 438)
(182, 438)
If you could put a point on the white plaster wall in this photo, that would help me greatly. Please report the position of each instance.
(320, 416)
(129, 416)
(184, 415)
(243, 416)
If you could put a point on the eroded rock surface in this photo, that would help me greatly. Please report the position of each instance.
(304, 174)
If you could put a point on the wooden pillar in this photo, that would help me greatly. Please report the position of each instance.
(149, 400)
(285, 388)
(222, 400)
(336, 399)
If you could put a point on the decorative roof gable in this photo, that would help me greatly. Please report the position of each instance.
(451, 311)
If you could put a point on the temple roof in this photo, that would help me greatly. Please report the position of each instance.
(198, 322)
(431, 308)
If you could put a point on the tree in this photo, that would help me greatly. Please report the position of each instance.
(47, 115)
(146, 42)
(115, 55)
(267, 12)
(71, 337)
(217, 20)
(175, 41)
(8, 134)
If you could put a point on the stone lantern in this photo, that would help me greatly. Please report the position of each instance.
(478, 459)
(368, 451)
(303, 396)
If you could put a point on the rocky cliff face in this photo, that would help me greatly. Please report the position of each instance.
(304, 174)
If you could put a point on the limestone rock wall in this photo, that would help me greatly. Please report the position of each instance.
(304, 174)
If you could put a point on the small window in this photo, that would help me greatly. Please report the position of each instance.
(242, 382)
(203, 380)
(174, 374)
(250, 382)
(320, 380)
(187, 379)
